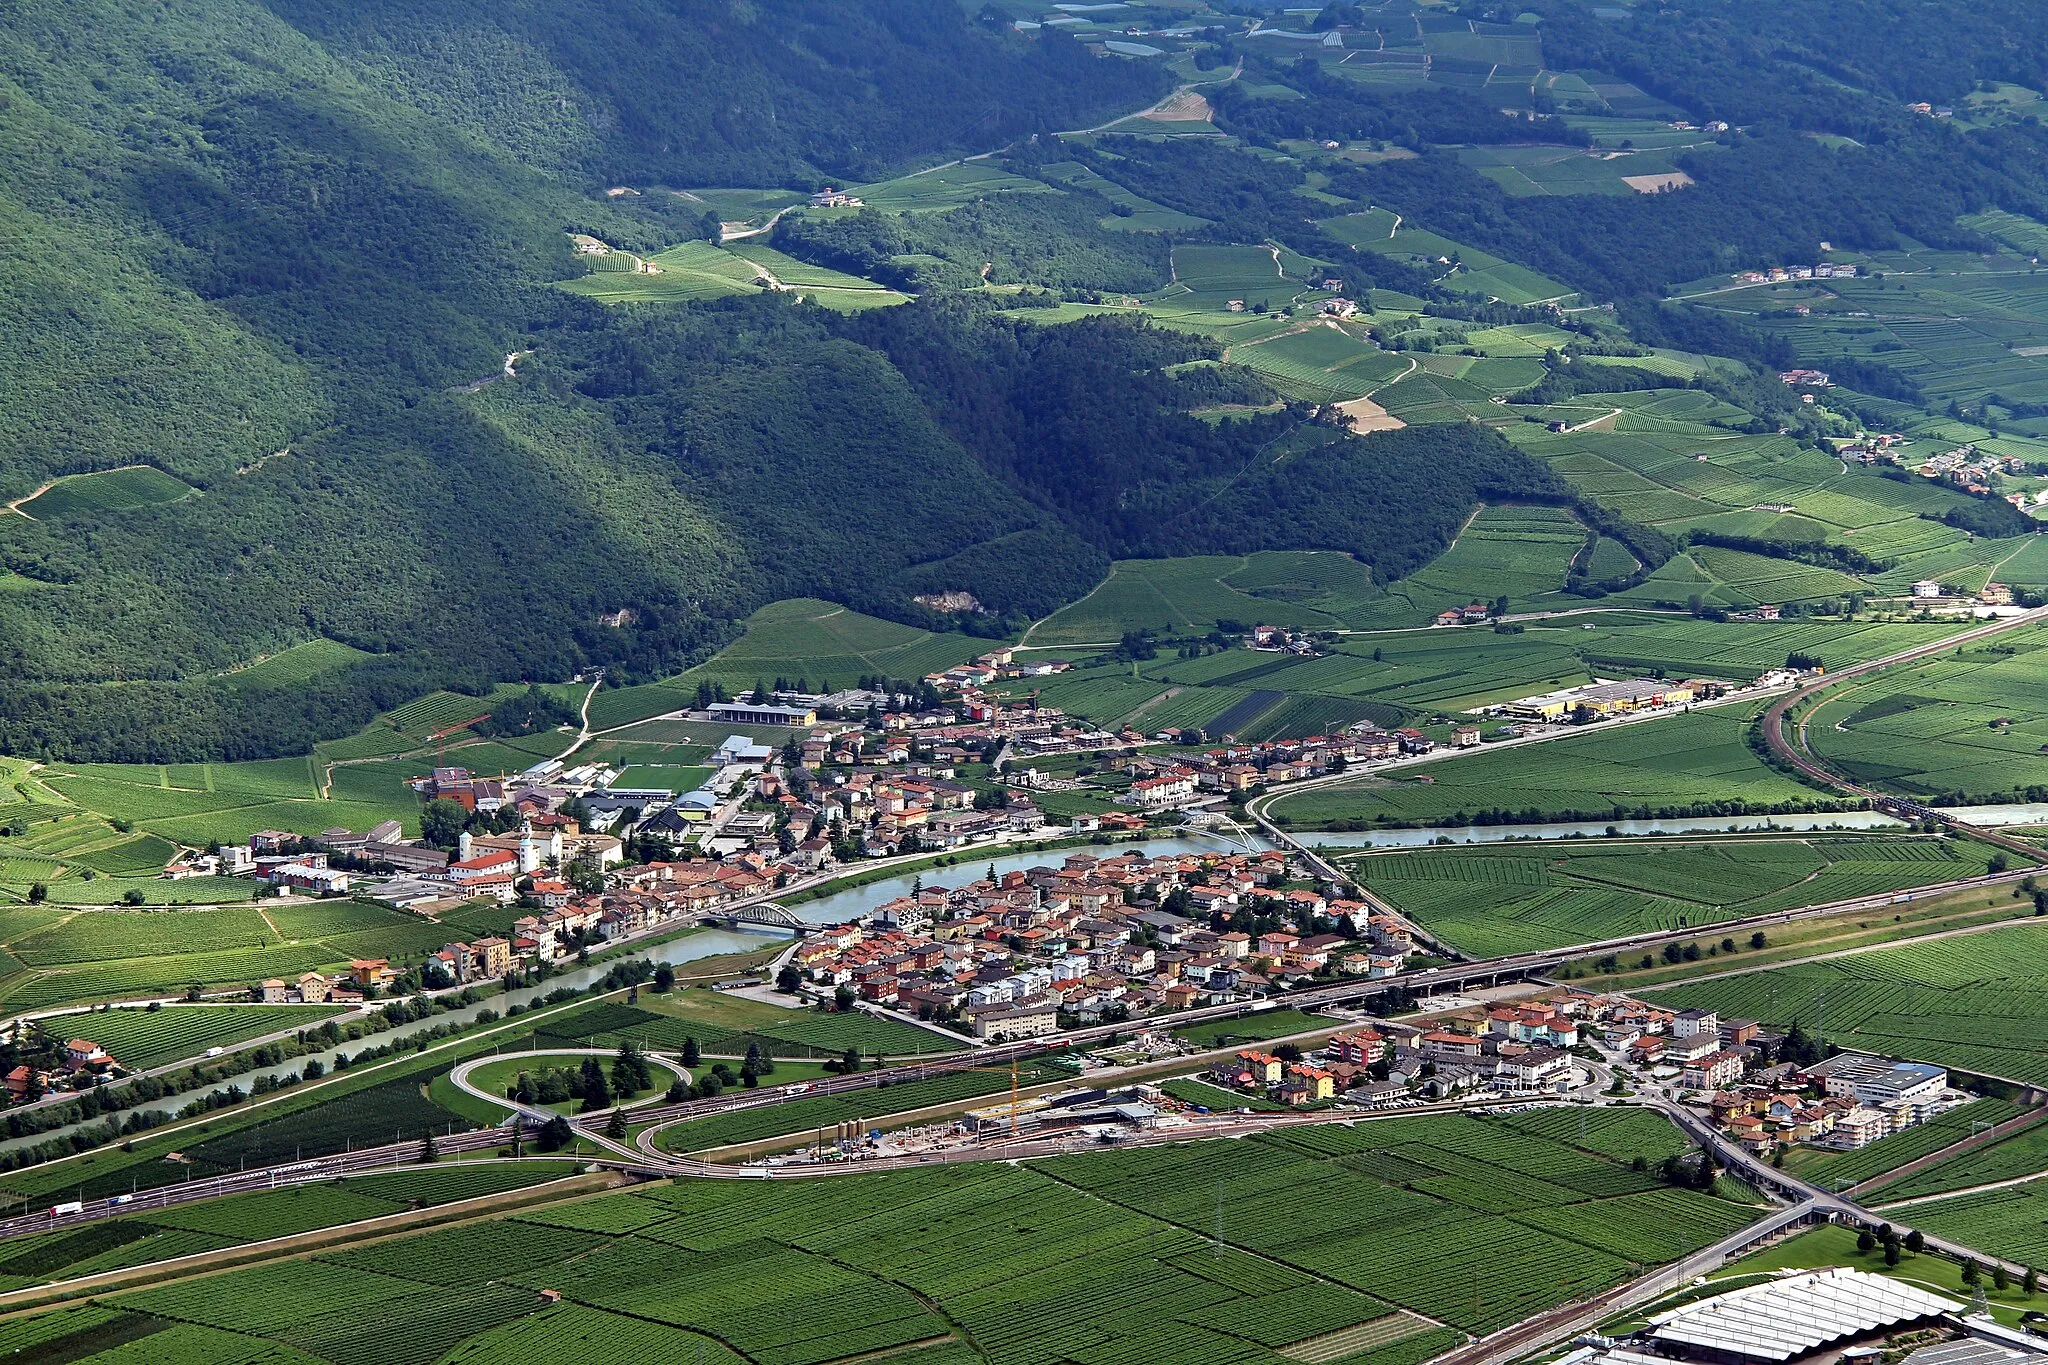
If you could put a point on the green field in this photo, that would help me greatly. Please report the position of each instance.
(1973, 724)
(295, 666)
(212, 1225)
(141, 1039)
(1975, 1002)
(2012, 1222)
(724, 1025)
(1083, 1258)
(1254, 1028)
(805, 1116)
(1309, 590)
(58, 956)
(687, 273)
(1693, 763)
(1495, 901)
(2024, 1153)
(802, 639)
(1527, 171)
(1839, 1170)
(111, 490)
(1389, 676)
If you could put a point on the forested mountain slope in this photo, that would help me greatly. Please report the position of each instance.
(254, 246)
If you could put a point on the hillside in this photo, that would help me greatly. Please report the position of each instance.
(257, 246)
(303, 351)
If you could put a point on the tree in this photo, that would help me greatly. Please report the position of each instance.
(555, 1134)
(428, 1151)
(2030, 1283)
(1915, 1242)
(1757, 939)
(710, 227)
(842, 999)
(615, 1126)
(691, 1056)
(1972, 1272)
(630, 1072)
(1891, 1252)
(849, 1061)
(442, 822)
(133, 896)
(710, 1086)
(2000, 1280)
(38, 893)
(664, 978)
(596, 1094)
(788, 979)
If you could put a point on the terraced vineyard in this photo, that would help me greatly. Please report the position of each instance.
(1497, 901)
(1975, 1003)
(1100, 1258)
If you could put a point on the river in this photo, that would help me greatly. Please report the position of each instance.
(835, 908)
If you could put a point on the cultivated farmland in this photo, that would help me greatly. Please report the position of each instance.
(1975, 1003)
(1508, 899)
(1695, 763)
(1095, 1254)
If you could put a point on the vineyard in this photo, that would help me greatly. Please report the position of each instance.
(805, 1115)
(737, 1023)
(214, 1224)
(1975, 1002)
(67, 957)
(2024, 1153)
(1500, 900)
(1317, 1244)
(141, 1039)
(1838, 1170)
(2011, 1222)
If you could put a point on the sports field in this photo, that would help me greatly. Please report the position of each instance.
(1974, 1002)
(1494, 901)
(1079, 1259)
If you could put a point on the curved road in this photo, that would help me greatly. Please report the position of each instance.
(1801, 756)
